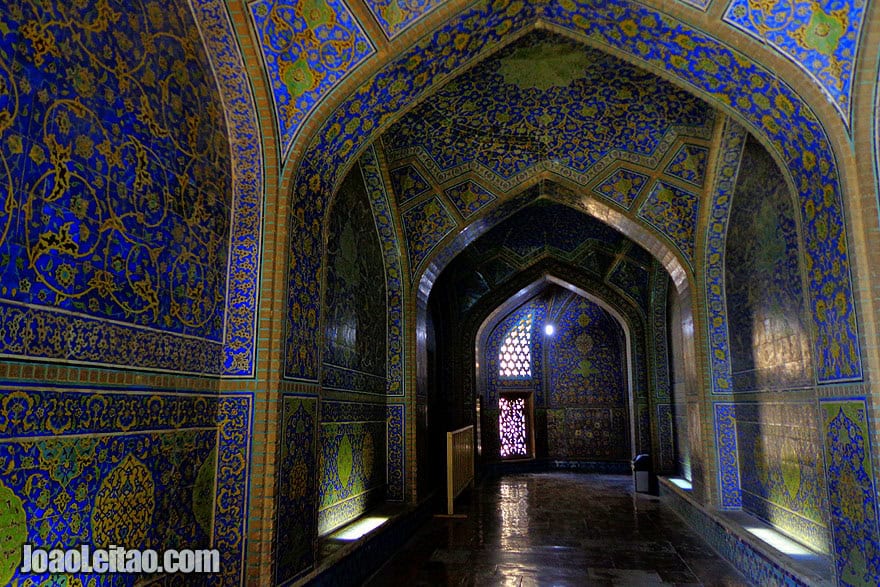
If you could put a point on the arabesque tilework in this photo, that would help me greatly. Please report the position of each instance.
(395, 16)
(781, 480)
(728, 455)
(117, 193)
(580, 108)
(821, 38)
(729, 155)
(297, 472)
(247, 185)
(407, 184)
(769, 335)
(235, 426)
(394, 277)
(352, 452)
(308, 47)
(851, 489)
(139, 471)
(774, 108)
(691, 56)
(673, 211)
(355, 300)
(689, 164)
(469, 197)
(396, 450)
(622, 186)
(425, 225)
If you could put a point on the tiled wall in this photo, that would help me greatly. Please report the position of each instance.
(766, 309)
(86, 465)
(117, 183)
(587, 395)
(351, 432)
(115, 235)
(578, 378)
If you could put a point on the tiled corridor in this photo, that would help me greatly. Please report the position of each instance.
(557, 529)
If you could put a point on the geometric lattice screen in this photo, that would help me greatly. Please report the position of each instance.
(515, 356)
(512, 420)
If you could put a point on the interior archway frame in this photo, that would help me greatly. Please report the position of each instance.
(784, 120)
(520, 287)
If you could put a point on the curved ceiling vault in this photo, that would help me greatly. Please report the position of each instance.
(541, 129)
(541, 231)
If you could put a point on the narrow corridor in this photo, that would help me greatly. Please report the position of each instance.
(557, 529)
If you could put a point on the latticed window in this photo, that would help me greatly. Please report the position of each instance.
(515, 354)
(513, 425)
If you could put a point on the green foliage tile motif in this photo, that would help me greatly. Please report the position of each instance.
(622, 186)
(308, 47)
(408, 184)
(821, 38)
(570, 106)
(782, 482)
(469, 197)
(355, 302)
(352, 461)
(689, 164)
(769, 336)
(851, 490)
(657, 40)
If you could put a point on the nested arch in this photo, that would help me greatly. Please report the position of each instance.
(492, 310)
(777, 114)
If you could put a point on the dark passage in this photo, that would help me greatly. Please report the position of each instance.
(557, 529)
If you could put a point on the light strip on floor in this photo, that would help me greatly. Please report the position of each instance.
(359, 528)
(780, 542)
(683, 483)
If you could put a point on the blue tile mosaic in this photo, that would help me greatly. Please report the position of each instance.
(352, 453)
(689, 164)
(355, 300)
(307, 48)
(781, 480)
(728, 456)
(659, 285)
(776, 110)
(769, 333)
(408, 184)
(118, 193)
(851, 490)
(133, 469)
(732, 142)
(683, 53)
(381, 206)
(295, 497)
(396, 463)
(247, 184)
(469, 197)
(673, 211)
(820, 38)
(425, 225)
(578, 109)
(395, 16)
(622, 186)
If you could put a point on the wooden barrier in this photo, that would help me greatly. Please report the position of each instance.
(459, 463)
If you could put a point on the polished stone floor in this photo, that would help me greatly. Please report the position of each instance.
(557, 529)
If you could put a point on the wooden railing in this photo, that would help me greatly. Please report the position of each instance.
(459, 463)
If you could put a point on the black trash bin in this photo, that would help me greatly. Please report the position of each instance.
(641, 466)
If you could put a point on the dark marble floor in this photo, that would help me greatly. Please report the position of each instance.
(557, 529)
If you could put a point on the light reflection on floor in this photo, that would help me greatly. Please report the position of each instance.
(557, 529)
